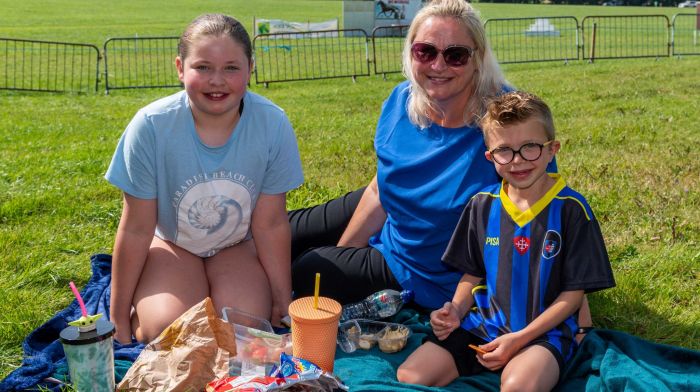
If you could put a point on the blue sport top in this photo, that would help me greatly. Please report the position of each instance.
(527, 259)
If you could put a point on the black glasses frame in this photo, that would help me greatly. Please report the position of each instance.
(518, 151)
(454, 55)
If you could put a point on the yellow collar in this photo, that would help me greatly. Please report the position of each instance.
(522, 218)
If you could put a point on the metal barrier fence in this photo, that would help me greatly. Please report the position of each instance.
(387, 42)
(140, 62)
(281, 57)
(48, 66)
(625, 36)
(147, 62)
(523, 40)
(685, 35)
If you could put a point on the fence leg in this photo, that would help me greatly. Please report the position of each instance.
(593, 34)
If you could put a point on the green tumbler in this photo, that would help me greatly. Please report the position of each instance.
(90, 356)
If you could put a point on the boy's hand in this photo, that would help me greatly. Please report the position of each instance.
(444, 320)
(500, 351)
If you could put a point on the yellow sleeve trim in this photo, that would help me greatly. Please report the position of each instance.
(477, 288)
(585, 211)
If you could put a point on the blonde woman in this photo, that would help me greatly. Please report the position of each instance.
(430, 161)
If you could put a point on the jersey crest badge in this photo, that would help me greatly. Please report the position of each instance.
(551, 245)
(522, 244)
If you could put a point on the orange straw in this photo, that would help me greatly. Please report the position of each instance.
(316, 287)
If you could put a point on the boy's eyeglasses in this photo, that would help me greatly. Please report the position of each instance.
(528, 151)
(454, 55)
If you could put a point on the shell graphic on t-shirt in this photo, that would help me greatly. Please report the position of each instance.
(213, 215)
(213, 212)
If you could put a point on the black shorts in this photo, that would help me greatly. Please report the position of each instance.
(465, 358)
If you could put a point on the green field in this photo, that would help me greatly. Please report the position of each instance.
(94, 22)
(629, 130)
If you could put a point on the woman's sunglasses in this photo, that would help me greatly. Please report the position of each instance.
(454, 55)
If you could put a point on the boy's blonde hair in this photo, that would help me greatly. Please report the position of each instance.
(514, 108)
(489, 79)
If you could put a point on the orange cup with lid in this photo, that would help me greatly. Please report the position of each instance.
(314, 330)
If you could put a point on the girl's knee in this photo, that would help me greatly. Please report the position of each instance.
(148, 332)
(150, 320)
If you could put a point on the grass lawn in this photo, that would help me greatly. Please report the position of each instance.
(629, 130)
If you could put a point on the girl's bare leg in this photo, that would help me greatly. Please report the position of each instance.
(172, 281)
(237, 279)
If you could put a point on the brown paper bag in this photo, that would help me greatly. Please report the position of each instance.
(192, 351)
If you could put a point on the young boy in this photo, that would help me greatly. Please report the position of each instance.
(529, 248)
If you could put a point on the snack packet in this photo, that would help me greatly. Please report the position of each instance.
(243, 384)
(293, 374)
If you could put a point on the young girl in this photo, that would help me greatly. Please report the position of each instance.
(204, 174)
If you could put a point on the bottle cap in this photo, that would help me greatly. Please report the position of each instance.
(407, 296)
(73, 336)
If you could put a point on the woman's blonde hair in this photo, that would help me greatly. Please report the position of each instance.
(489, 79)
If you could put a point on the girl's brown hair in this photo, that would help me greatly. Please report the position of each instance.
(215, 25)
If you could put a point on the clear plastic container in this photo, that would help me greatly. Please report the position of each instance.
(365, 334)
(258, 348)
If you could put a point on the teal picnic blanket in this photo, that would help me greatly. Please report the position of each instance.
(607, 360)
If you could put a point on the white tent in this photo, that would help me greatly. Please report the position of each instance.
(542, 26)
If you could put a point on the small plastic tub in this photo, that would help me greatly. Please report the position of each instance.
(365, 334)
(393, 338)
(258, 348)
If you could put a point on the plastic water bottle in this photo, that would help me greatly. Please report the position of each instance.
(379, 305)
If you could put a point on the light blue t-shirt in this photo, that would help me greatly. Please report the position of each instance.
(206, 195)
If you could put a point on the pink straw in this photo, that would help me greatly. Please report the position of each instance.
(79, 298)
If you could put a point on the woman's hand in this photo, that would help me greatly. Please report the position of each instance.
(444, 320)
